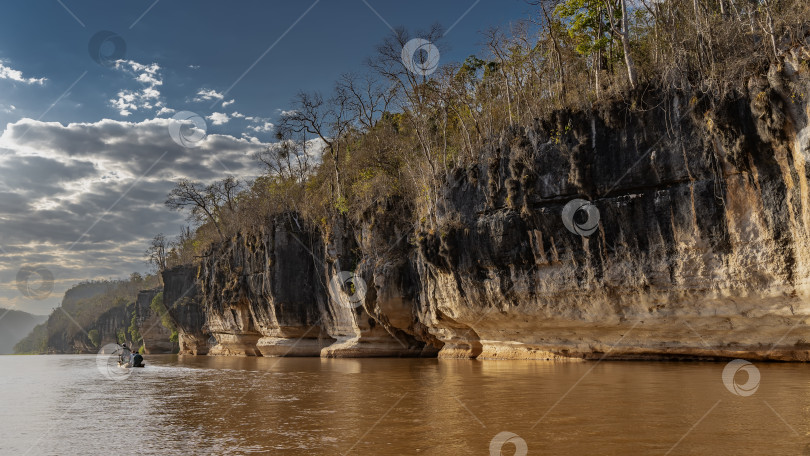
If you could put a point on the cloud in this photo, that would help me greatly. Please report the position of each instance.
(262, 127)
(7, 72)
(194, 67)
(228, 103)
(218, 118)
(208, 95)
(237, 115)
(147, 97)
(59, 180)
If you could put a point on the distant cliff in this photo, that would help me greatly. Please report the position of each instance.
(14, 326)
(155, 336)
(700, 248)
(93, 314)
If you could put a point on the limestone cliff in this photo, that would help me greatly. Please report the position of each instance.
(263, 294)
(181, 299)
(702, 246)
(156, 337)
(701, 250)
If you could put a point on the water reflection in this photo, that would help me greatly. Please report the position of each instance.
(304, 406)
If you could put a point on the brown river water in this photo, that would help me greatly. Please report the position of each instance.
(78, 404)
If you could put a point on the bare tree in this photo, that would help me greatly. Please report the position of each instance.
(327, 120)
(206, 202)
(620, 28)
(367, 98)
(156, 253)
(289, 159)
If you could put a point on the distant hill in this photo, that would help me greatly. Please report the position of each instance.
(14, 326)
(92, 313)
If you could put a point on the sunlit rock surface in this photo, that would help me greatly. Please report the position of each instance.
(263, 293)
(702, 247)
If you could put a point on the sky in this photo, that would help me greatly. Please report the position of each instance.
(91, 94)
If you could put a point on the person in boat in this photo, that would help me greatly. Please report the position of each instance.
(137, 360)
(125, 353)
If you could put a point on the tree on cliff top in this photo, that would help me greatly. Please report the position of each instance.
(215, 203)
(394, 135)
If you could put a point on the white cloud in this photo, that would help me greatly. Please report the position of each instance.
(147, 97)
(262, 127)
(237, 115)
(208, 95)
(16, 75)
(165, 110)
(289, 113)
(228, 103)
(218, 118)
(194, 67)
(57, 180)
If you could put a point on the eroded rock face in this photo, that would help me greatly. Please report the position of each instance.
(156, 337)
(180, 297)
(702, 249)
(379, 320)
(263, 294)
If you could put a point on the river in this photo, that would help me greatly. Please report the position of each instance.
(74, 404)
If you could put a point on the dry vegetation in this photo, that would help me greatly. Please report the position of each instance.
(386, 132)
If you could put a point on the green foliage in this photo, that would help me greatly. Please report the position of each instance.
(134, 334)
(342, 205)
(94, 337)
(160, 310)
(121, 336)
(584, 22)
(35, 343)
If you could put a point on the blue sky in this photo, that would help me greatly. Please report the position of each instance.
(208, 45)
(85, 161)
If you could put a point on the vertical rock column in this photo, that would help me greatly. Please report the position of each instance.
(156, 337)
(180, 296)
